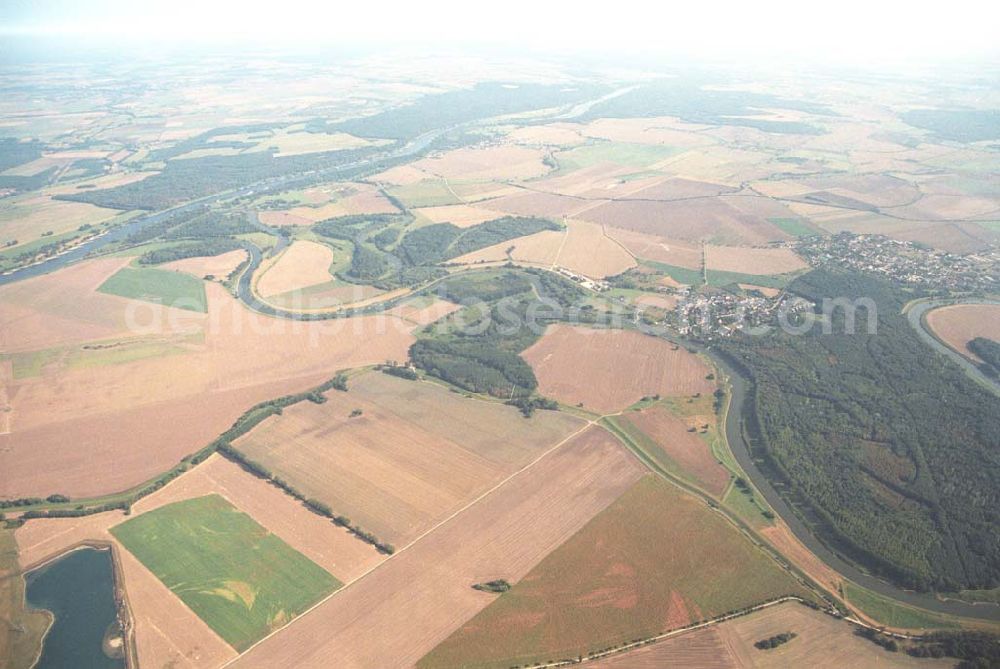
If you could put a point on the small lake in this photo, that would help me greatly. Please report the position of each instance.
(78, 589)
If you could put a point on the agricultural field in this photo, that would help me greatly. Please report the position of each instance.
(495, 163)
(639, 156)
(414, 455)
(400, 611)
(28, 219)
(239, 578)
(720, 220)
(167, 632)
(608, 370)
(821, 641)
(489, 497)
(959, 324)
(680, 445)
(301, 265)
(461, 215)
(138, 413)
(158, 286)
(779, 260)
(632, 572)
(219, 266)
(582, 248)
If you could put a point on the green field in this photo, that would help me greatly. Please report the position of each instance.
(21, 628)
(238, 577)
(656, 559)
(621, 153)
(172, 289)
(794, 226)
(31, 363)
(427, 193)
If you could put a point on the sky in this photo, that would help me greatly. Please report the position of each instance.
(842, 32)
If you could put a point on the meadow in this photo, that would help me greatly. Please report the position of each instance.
(238, 577)
(171, 289)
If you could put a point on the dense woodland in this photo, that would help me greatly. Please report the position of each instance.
(687, 99)
(193, 178)
(483, 355)
(989, 352)
(888, 449)
(485, 100)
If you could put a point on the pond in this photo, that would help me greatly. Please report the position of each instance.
(79, 590)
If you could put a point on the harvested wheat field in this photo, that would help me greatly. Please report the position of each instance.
(279, 219)
(655, 560)
(582, 247)
(822, 642)
(302, 264)
(608, 370)
(688, 453)
(409, 604)
(556, 134)
(536, 203)
(416, 454)
(675, 252)
(64, 308)
(666, 302)
(712, 219)
(219, 266)
(958, 324)
(678, 188)
(460, 215)
(495, 163)
(136, 418)
(27, 219)
(703, 648)
(742, 260)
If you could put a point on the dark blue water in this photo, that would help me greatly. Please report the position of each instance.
(78, 589)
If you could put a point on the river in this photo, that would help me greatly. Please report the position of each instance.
(915, 315)
(267, 185)
(79, 590)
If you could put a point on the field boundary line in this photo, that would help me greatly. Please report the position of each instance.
(402, 550)
(677, 632)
